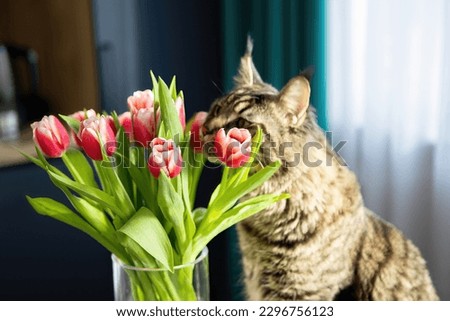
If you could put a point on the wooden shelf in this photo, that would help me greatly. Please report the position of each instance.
(9, 154)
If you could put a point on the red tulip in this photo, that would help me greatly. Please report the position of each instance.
(80, 116)
(197, 131)
(144, 125)
(127, 124)
(51, 136)
(95, 133)
(165, 156)
(179, 104)
(233, 148)
(140, 100)
(111, 123)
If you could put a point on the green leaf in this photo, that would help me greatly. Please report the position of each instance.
(42, 158)
(145, 229)
(162, 132)
(73, 123)
(190, 226)
(173, 88)
(188, 218)
(122, 162)
(104, 199)
(214, 195)
(32, 159)
(155, 88)
(143, 183)
(115, 118)
(169, 113)
(79, 167)
(93, 215)
(194, 168)
(210, 227)
(47, 206)
(225, 201)
(172, 207)
(185, 185)
(117, 189)
(199, 214)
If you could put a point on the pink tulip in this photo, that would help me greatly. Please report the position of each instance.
(127, 124)
(83, 114)
(111, 123)
(144, 125)
(197, 131)
(51, 136)
(80, 116)
(165, 156)
(233, 148)
(179, 104)
(140, 100)
(95, 133)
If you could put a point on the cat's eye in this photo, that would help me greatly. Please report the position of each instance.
(257, 98)
(239, 123)
(216, 110)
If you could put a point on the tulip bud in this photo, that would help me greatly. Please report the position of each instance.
(80, 116)
(165, 156)
(179, 105)
(95, 133)
(51, 136)
(197, 131)
(140, 100)
(83, 114)
(127, 124)
(111, 123)
(144, 125)
(233, 148)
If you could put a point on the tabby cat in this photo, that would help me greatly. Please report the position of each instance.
(321, 243)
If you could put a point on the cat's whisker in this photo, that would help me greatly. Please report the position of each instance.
(218, 88)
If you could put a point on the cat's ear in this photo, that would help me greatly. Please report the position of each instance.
(247, 73)
(294, 99)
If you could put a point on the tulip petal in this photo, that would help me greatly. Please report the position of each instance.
(127, 124)
(91, 144)
(196, 131)
(165, 156)
(140, 100)
(47, 143)
(51, 136)
(144, 125)
(179, 104)
(234, 147)
(60, 132)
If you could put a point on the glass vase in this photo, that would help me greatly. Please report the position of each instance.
(188, 282)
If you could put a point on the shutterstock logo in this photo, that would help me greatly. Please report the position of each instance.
(291, 153)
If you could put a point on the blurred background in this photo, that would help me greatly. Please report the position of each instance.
(380, 85)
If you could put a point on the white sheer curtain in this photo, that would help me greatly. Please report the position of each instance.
(388, 96)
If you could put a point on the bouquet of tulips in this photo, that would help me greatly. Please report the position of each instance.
(134, 193)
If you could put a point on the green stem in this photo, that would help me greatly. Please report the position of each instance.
(173, 292)
(224, 181)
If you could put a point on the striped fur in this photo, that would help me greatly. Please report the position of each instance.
(322, 243)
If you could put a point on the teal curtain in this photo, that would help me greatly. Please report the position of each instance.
(289, 36)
